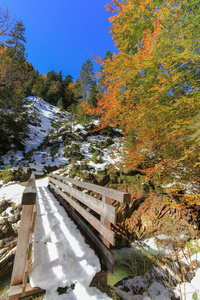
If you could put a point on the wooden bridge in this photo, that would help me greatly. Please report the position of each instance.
(90, 206)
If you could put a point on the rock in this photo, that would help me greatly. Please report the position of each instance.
(76, 154)
(4, 242)
(3, 205)
(4, 227)
(3, 251)
(4, 214)
(7, 252)
(16, 227)
(125, 296)
(18, 208)
(6, 263)
(103, 180)
(10, 245)
(15, 218)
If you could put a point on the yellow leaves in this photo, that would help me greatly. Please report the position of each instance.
(191, 199)
(143, 89)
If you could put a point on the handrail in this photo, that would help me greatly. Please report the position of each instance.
(107, 192)
(101, 214)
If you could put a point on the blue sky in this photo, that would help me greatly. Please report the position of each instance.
(61, 34)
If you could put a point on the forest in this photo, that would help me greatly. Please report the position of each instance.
(19, 79)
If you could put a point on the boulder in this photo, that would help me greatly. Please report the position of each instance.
(3, 205)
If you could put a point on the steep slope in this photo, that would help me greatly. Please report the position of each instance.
(54, 139)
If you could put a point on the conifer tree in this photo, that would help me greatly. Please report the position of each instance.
(78, 92)
(86, 78)
(93, 94)
(16, 42)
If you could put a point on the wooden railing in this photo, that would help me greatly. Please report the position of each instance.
(97, 211)
(19, 286)
(92, 214)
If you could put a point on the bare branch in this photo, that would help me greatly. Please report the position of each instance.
(6, 21)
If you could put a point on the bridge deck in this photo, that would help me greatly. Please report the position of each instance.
(61, 256)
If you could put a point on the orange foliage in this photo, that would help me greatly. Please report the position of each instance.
(145, 87)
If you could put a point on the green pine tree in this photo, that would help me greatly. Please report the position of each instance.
(86, 78)
(17, 40)
(93, 94)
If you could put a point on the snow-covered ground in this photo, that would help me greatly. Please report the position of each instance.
(44, 115)
(62, 258)
(44, 118)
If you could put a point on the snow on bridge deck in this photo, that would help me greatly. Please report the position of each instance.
(61, 257)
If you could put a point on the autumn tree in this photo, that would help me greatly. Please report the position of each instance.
(151, 87)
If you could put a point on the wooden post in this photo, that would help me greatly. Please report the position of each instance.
(29, 252)
(19, 275)
(22, 245)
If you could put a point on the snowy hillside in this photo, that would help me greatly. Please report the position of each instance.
(54, 139)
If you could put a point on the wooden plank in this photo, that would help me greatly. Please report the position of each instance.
(103, 209)
(100, 227)
(22, 245)
(15, 291)
(30, 192)
(103, 252)
(110, 193)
